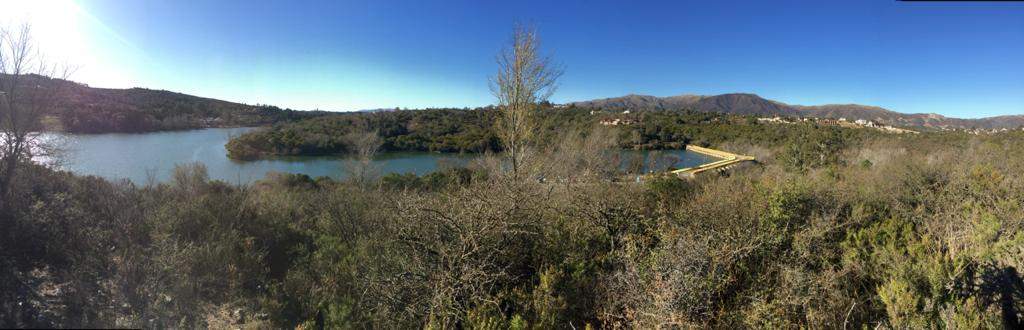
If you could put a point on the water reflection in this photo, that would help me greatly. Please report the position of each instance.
(150, 157)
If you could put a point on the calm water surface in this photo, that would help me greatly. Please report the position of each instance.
(142, 157)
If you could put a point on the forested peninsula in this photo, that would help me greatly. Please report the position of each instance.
(473, 131)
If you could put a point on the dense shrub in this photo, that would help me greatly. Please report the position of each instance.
(472, 130)
(928, 236)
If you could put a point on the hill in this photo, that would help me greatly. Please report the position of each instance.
(752, 104)
(79, 108)
(84, 109)
(737, 103)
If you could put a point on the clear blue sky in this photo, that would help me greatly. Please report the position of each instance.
(958, 59)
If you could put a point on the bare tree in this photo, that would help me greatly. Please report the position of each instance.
(364, 143)
(26, 93)
(577, 155)
(525, 78)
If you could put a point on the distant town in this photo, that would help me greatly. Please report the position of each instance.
(628, 117)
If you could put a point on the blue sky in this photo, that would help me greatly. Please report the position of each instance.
(957, 59)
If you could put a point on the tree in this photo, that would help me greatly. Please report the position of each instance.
(525, 78)
(364, 143)
(26, 93)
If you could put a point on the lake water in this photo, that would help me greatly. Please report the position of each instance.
(152, 156)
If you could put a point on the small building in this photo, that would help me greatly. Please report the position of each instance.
(828, 122)
(617, 121)
(776, 120)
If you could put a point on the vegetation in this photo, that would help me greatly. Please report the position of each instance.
(524, 79)
(442, 130)
(834, 228)
(904, 231)
(22, 103)
(751, 104)
(475, 131)
(83, 109)
(77, 108)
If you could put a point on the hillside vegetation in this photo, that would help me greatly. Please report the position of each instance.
(830, 230)
(83, 109)
(441, 130)
(78, 108)
(465, 130)
(751, 104)
(832, 227)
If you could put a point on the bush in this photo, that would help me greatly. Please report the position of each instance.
(927, 236)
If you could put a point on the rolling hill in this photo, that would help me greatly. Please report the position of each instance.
(752, 104)
(79, 108)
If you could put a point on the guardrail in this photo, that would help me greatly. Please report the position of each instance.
(728, 160)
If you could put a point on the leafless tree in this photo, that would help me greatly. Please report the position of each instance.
(364, 144)
(524, 79)
(457, 247)
(27, 92)
(577, 155)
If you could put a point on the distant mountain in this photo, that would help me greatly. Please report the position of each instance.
(83, 109)
(745, 104)
(378, 110)
(79, 108)
(751, 104)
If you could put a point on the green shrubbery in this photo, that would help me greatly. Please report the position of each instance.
(472, 130)
(927, 236)
(438, 130)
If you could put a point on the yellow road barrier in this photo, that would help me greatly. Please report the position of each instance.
(727, 159)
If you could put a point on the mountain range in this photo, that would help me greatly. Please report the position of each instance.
(85, 109)
(752, 104)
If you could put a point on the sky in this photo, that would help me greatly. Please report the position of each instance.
(961, 59)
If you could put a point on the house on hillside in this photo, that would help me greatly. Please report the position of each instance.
(828, 122)
(865, 123)
(617, 121)
(775, 120)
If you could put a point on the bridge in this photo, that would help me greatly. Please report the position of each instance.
(727, 160)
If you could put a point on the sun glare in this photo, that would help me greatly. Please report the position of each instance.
(64, 33)
(55, 25)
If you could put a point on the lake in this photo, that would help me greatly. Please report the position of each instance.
(152, 156)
